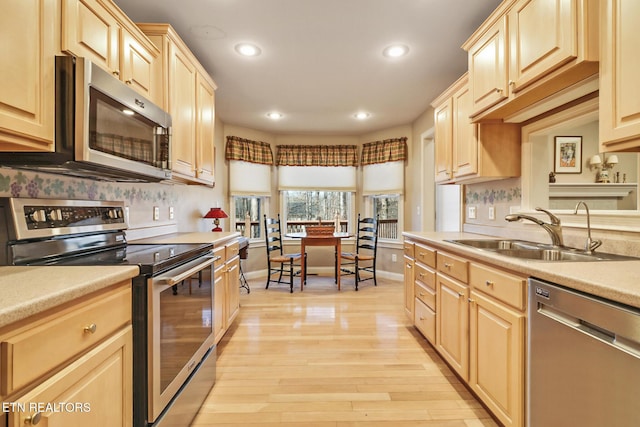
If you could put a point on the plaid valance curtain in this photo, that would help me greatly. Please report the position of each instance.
(389, 150)
(317, 155)
(248, 151)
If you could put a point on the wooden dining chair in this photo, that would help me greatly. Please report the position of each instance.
(287, 265)
(364, 257)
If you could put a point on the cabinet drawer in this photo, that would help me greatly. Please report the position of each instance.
(426, 276)
(409, 249)
(233, 250)
(425, 255)
(453, 266)
(503, 286)
(425, 321)
(220, 254)
(44, 345)
(426, 295)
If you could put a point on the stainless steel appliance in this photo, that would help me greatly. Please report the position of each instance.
(104, 129)
(584, 359)
(173, 348)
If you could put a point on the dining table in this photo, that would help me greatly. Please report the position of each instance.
(334, 240)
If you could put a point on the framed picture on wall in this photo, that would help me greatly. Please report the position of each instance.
(568, 154)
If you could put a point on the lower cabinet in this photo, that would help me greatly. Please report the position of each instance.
(478, 328)
(71, 366)
(226, 288)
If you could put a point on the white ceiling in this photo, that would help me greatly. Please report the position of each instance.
(322, 60)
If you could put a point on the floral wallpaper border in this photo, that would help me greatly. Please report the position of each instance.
(491, 196)
(18, 183)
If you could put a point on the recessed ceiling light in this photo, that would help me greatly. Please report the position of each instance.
(395, 51)
(361, 115)
(274, 115)
(247, 49)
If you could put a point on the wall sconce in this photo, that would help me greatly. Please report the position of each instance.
(216, 214)
(603, 167)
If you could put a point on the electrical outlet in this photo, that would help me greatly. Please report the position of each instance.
(394, 258)
(492, 213)
(472, 212)
(156, 213)
(171, 213)
(126, 214)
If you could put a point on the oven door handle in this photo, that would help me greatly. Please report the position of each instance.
(184, 272)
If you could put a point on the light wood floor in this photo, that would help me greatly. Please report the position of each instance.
(326, 358)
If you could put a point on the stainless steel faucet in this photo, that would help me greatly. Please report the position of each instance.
(591, 245)
(553, 228)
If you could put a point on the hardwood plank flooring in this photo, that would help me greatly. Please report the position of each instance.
(323, 358)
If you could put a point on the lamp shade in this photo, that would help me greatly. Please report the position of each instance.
(595, 160)
(216, 214)
(612, 160)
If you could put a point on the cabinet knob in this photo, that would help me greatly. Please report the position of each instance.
(448, 265)
(512, 83)
(422, 294)
(461, 294)
(91, 329)
(116, 73)
(421, 318)
(129, 81)
(499, 90)
(34, 419)
(471, 301)
(408, 265)
(489, 283)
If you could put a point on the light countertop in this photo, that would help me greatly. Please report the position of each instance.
(25, 291)
(615, 280)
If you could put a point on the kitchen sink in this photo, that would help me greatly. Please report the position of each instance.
(538, 251)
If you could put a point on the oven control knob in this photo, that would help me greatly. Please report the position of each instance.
(38, 216)
(55, 215)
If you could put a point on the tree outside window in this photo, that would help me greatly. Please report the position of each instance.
(254, 207)
(387, 209)
(308, 207)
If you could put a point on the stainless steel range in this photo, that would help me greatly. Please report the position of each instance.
(173, 341)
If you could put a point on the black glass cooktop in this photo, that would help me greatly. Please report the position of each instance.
(152, 259)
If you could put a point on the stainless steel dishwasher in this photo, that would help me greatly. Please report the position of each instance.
(584, 360)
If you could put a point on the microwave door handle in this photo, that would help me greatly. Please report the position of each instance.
(183, 274)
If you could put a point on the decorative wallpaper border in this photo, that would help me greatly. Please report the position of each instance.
(489, 196)
(19, 183)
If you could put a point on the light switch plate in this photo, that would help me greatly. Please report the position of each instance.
(171, 213)
(472, 212)
(156, 213)
(492, 213)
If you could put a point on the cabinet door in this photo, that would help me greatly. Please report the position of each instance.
(465, 144)
(233, 289)
(139, 67)
(220, 296)
(205, 108)
(543, 36)
(443, 140)
(452, 324)
(26, 75)
(497, 358)
(488, 68)
(408, 287)
(182, 106)
(619, 71)
(89, 31)
(100, 382)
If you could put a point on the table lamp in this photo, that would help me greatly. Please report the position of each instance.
(216, 214)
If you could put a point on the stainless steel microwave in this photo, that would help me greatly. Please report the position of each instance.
(104, 129)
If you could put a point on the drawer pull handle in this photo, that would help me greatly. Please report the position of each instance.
(421, 318)
(499, 90)
(116, 73)
(489, 283)
(471, 301)
(422, 254)
(448, 265)
(409, 266)
(422, 294)
(33, 420)
(91, 329)
(461, 294)
(421, 274)
(129, 81)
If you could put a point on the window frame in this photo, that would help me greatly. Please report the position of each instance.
(370, 207)
(265, 210)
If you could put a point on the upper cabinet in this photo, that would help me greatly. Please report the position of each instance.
(468, 152)
(528, 50)
(619, 73)
(99, 30)
(26, 75)
(188, 95)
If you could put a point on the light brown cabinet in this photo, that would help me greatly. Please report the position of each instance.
(619, 71)
(100, 31)
(408, 279)
(188, 95)
(467, 152)
(528, 50)
(480, 325)
(92, 370)
(226, 288)
(26, 75)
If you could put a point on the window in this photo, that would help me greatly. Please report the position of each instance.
(387, 209)
(255, 206)
(303, 208)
